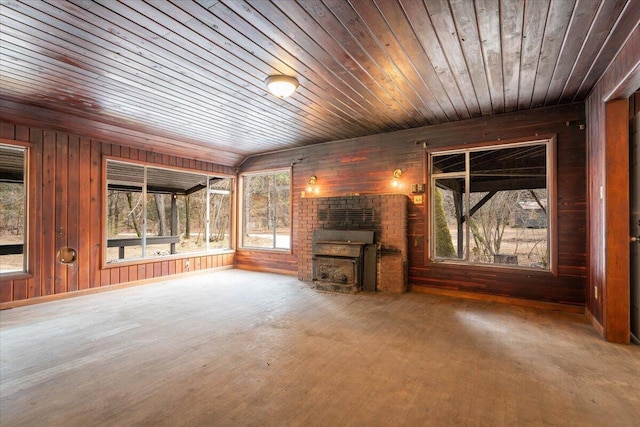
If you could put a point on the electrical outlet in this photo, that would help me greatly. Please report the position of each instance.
(417, 200)
(595, 292)
(187, 264)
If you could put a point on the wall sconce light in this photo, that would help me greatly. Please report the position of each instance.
(281, 86)
(311, 186)
(397, 173)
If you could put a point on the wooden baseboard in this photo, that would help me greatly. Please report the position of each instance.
(56, 297)
(500, 299)
(594, 322)
(266, 270)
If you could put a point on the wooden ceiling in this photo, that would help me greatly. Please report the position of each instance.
(191, 73)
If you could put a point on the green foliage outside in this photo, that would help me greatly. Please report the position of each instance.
(444, 244)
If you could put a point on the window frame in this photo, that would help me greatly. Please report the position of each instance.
(241, 209)
(145, 258)
(550, 140)
(29, 216)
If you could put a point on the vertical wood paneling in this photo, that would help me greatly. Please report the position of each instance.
(7, 130)
(66, 209)
(48, 212)
(61, 205)
(35, 213)
(84, 212)
(73, 205)
(95, 217)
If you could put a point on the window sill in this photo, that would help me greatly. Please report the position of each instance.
(502, 268)
(15, 275)
(276, 250)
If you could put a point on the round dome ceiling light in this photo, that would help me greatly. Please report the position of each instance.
(281, 86)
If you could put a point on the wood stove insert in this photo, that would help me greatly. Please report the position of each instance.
(343, 260)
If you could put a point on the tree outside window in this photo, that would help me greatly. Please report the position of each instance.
(491, 205)
(13, 209)
(154, 211)
(266, 210)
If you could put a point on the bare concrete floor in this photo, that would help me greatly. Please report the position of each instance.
(237, 348)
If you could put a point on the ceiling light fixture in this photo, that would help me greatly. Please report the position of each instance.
(281, 86)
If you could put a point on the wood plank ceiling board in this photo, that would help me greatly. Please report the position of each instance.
(189, 75)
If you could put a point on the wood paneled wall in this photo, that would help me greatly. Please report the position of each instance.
(365, 166)
(608, 173)
(66, 208)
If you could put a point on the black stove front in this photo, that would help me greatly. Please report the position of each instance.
(339, 259)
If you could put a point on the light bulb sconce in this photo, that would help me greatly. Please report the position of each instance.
(397, 173)
(311, 186)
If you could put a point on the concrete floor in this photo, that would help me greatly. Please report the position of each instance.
(236, 348)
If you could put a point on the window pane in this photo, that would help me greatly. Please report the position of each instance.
(13, 202)
(449, 228)
(512, 168)
(259, 211)
(507, 206)
(283, 214)
(176, 212)
(266, 211)
(124, 211)
(447, 163)
(220, 213)
(510, 228)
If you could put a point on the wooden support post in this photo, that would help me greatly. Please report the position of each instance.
(174, 216)
(616, 292)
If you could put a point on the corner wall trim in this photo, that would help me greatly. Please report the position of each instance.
(594, 322)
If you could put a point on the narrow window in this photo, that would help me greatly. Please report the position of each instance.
(13, 209)
(492, 205)
(266, 210)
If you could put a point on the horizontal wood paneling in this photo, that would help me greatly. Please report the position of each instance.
(365, 165)
(66, 205)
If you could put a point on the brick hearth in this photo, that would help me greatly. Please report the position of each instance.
(386, 214)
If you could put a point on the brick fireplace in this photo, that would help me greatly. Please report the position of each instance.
(385, 214)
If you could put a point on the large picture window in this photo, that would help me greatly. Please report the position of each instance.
(154, 211)
(493, 205)
(266, 216)
(13, 209)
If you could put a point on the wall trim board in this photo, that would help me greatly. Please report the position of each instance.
(566, 308)
(599, 328)
(266, 270)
